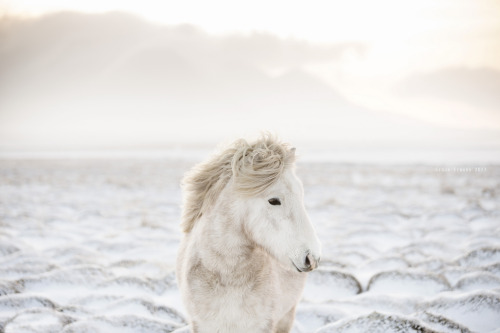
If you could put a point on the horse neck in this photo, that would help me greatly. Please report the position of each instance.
(224, 244)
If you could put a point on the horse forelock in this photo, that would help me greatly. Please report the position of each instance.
(252, 166)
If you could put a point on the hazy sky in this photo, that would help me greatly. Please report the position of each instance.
(433, 60)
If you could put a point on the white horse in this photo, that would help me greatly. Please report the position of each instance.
(247, 240)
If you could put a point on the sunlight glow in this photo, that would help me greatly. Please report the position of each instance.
(319, 20)
(399, 40)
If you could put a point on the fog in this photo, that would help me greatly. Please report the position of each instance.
(72, 80)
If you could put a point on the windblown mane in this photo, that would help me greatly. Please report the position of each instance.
(253, 167)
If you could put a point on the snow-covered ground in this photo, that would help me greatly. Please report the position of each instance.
(89, 245)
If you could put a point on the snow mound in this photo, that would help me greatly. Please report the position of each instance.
(10, 287)
(121, 324)
(479, 311)
(402, 304)
(37, 320)
(480, 257)
(156, 286)
(7, 247)
(140, 306)
(407, 283)
(442, 324)
(19, 265)
(478, 281)
(24, 301)
(493, 269)
(87, 275)
(387, 264)
(326, 284)
(377, 323)
(313, 316)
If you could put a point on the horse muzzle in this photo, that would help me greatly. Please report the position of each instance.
(308, 263)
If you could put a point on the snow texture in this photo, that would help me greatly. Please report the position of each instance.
(89, 245)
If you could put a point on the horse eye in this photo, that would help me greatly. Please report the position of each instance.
(274, 201)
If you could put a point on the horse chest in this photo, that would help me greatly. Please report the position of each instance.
(226, 308)
(290, 285)
(264, 296)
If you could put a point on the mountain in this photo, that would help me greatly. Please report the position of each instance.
(80, 79)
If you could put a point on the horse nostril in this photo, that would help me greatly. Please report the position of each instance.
(308, 262)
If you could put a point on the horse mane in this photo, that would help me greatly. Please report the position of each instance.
(252, 166)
